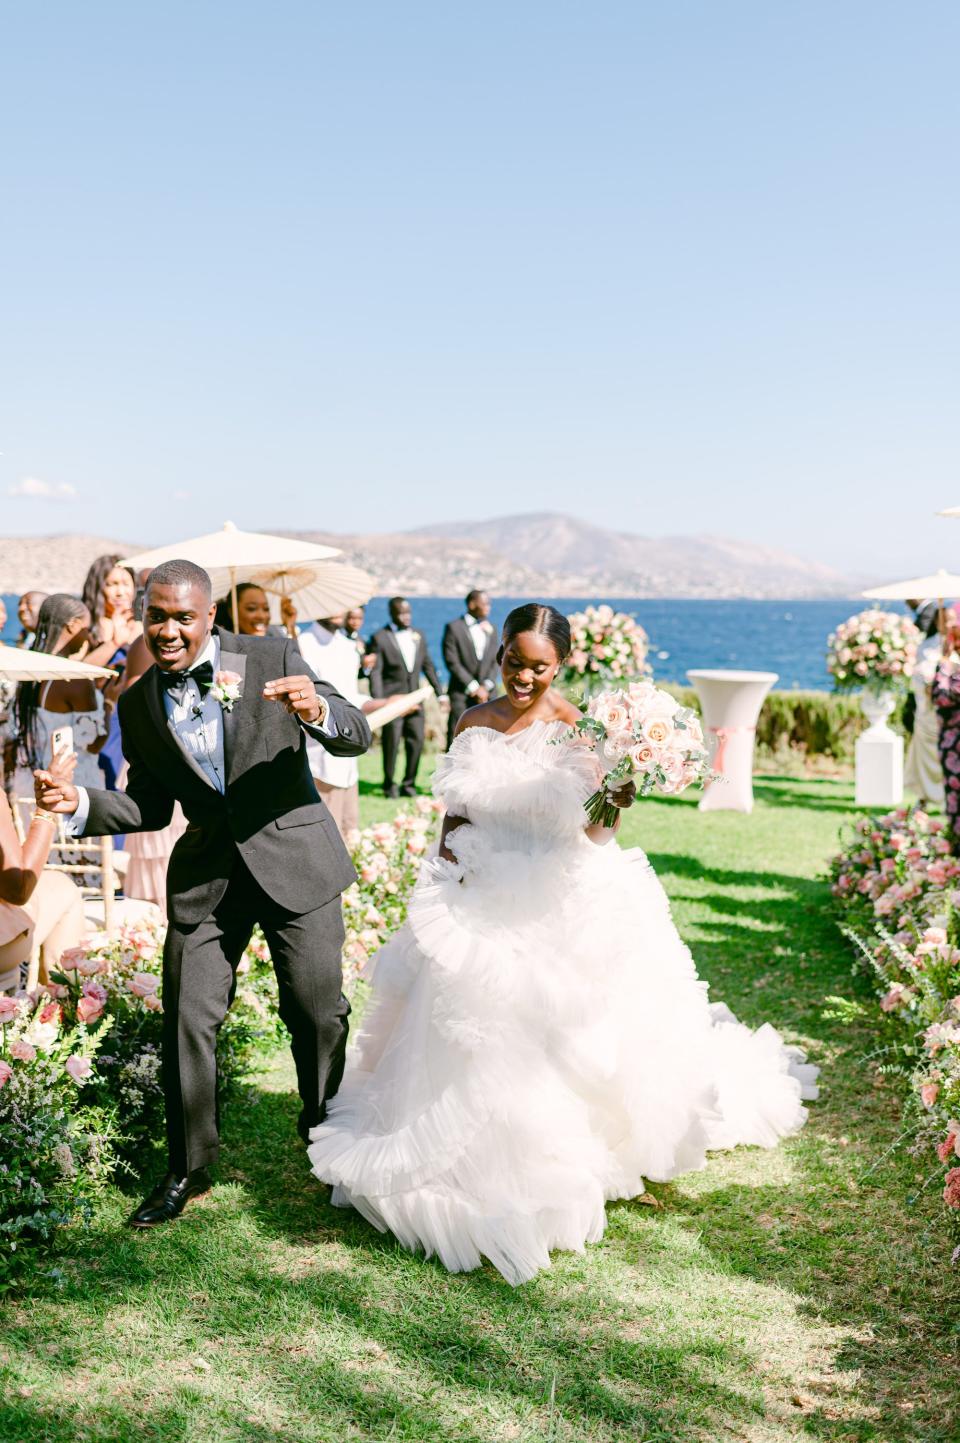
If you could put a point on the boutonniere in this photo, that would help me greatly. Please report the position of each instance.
(226, 688)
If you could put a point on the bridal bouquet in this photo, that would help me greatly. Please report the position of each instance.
(640, 734)
(875, 649)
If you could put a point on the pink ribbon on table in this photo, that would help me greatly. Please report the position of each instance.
(723, 735)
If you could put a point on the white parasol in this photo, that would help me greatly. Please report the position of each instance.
(939, 586)
(19, 665)
(950, 511)
(230, 556)
(318, 589)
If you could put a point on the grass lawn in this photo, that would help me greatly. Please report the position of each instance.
(799, 1294)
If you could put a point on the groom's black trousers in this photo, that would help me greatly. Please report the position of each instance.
(199, 981)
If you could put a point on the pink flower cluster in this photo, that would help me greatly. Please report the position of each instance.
(897, 885)
(607, 645)
(35, 1033)
(387, 856)
(874, 648)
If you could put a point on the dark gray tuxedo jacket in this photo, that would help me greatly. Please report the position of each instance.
(270, 813)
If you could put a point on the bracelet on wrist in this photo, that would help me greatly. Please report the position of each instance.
(40, 814)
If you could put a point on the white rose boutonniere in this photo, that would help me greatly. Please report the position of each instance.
(226, 688)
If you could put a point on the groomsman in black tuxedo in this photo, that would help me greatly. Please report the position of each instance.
(400, 659)
(470, 654)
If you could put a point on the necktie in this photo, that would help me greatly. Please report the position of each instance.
(175, 682)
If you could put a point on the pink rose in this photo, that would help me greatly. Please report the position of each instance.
(22, 1050)
(70, 959)
(143, 984)
(416, 845)
(89, 1009)
(227, 678)
(91, 966)
(9, 1008)
(893, 998)
(936, 936)
(79, 1068)
(94, 989)
(153, 1003)
(5, 1072)
(50, 1014)
(929, 1093)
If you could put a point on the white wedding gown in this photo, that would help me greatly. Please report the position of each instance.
(538, 1039)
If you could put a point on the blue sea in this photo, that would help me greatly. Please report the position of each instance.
(787, 637)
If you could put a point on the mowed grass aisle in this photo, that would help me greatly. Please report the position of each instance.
(775, 1296)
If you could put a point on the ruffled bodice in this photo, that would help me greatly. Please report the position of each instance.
(523, 790)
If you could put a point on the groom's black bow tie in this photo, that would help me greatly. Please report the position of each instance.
(176, 681)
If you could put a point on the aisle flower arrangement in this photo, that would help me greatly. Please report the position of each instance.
(113, 987)
(876, 650)
(608, 647)
(55, 1155)
(387, 857)
(897, 887)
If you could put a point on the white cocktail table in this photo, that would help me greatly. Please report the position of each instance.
(730, 702)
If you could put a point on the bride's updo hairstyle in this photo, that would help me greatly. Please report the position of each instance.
(547, 620)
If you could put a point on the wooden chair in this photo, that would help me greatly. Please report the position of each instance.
(88, 861)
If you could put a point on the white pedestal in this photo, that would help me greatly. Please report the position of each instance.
(731, 702)
(878, 757)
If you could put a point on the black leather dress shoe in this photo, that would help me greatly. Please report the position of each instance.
(169, 1198)
(409, 789)
(391, 791)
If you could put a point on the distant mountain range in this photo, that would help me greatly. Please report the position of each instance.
(548, 554)
(543, 554)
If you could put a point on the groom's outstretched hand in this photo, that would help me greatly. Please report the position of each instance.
(299, 695)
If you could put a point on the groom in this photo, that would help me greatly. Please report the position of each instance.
(220, 724)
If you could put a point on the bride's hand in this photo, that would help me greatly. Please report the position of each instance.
(624, 796)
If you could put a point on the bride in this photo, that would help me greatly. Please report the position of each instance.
(538, 1040)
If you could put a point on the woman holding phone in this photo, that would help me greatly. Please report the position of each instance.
(75, 709)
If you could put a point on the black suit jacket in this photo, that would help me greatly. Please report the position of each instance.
(390, 676)
(461, 659)
(270, 813)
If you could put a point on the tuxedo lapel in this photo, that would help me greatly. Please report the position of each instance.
(164, 726)
(235, 661)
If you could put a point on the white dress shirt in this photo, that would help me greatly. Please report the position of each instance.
(407, 640)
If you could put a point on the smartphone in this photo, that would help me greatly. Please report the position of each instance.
(61, 741)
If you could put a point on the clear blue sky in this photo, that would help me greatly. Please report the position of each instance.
(671, 267)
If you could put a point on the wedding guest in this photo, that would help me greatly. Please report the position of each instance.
(37, 908)
(28, 610)
(470, 653)
(332, 658)
(945, 694)
(108, 594)
(353, 630)
(400, 658)
(253, 611)
(923, 774)
(145, 877)
(40, 709)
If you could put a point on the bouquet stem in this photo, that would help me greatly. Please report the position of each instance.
(600, 809)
